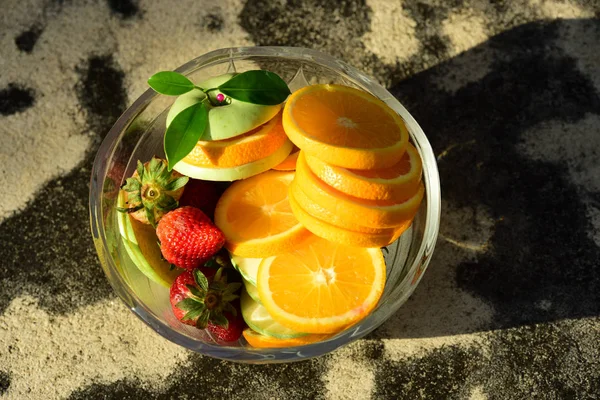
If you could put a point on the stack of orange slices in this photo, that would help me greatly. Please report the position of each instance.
(239, 157)
(358, 179)
(305, 236)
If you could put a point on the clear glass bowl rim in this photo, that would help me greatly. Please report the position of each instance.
(422, 258)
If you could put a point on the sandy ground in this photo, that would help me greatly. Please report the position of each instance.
(509, 95)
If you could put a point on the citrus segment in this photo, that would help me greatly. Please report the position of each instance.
(320, 286)
(256, 217)
(376, 238)
(235, 173)
(246, 148)
(259, 320)
(395, 182)
(257, 340)
(369, 213)
(345, 127)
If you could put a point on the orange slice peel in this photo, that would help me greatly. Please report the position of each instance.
(344, 126)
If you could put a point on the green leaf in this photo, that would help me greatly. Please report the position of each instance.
(233, 287)
(140, 169)
(219, 319)
(218, 275)
(201, 280)
(155, 167)
(193, 314)
(229, 297)
(132, 185)
(150, 217)
(167, 203)
(195, 291)
(217, 286)
(184, 132)
(257, 87)
(203, 320)
(189, 304)
(170, 83)
(177, 183)
(230, 308)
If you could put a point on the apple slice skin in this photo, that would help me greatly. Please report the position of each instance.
(140, 243)
(248, 267)
(228, 121)
(259, 320)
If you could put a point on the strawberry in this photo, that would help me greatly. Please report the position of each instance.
(188, 238)
(235, 325)
(203, 298)
(201, 194)
(152, 191)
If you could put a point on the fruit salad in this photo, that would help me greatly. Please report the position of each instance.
(266, 216)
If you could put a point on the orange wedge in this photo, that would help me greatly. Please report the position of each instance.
(289, 164)
(349, 237)
(345, 127)
(243, 149)
(368, 213)
(262, 341)
(256, 218)
(395, 182)
(320, 286)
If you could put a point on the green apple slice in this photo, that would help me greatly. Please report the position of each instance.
(247, 266)
(259, 320)
(235, 173)
(227, 121)
(140, 243)
(252, 290)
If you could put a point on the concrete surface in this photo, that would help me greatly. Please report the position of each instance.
(508, 93)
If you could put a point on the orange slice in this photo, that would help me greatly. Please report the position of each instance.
(235, 173)
(345, 127)
(256, 218)
(368, 213)
(262, 341)
(319, 212)
(320, 286)
(376, 238)
(289, 164)
(393, 183)
(246, 148)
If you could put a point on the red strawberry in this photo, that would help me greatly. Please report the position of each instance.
(201, 194)
(203, 298)
(234, 328)
(188, 238)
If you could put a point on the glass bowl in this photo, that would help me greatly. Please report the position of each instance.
(138, 134)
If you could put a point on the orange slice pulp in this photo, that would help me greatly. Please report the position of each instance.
(321, 286)
(256, 217)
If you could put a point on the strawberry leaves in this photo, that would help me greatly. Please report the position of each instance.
(152, 188)
(208, 301)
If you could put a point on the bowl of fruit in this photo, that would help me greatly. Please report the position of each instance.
(264, 204)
